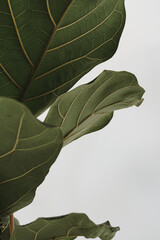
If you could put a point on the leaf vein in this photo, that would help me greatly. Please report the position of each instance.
(62, 85)
(91, 97)
(82, 35)
(32, 169)
(95, 113)
(78, 20)
(17, 138)
(18, 34)
(9, 76)
(43, 54)
(17, 200)
(76, 59)
(50, 14)
(70, 107)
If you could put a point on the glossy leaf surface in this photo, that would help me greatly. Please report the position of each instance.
(47, 46)
(66, 227)
(90, 107)
(27, 150)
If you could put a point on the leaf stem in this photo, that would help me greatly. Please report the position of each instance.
(11, 219)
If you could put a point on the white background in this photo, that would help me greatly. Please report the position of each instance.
(114, 174)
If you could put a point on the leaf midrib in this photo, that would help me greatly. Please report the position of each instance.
(43, 54)
(94, 112)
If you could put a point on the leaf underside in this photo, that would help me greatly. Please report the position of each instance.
(47, 46)
(27, 151)
(90, 107)
(66, 227)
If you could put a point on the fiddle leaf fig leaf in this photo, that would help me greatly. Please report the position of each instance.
(66, 227)
(27, 150)
(47, 46)
(90, 107)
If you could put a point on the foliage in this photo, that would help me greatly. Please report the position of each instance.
(90, 107)
(28, 149)
(64, 227)
(45, 48)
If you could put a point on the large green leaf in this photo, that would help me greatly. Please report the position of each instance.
(66, 227)
(90, 107)
(47, 46)
(27, 150)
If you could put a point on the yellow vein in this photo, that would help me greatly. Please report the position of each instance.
(18, 34)
(70, 107)
(69, 135)
(51, 91)
(68, 233)
(99, 112)
(5, 84)
(6, 26)
(9, 76)
(33, 148)
(92, 95)
(84, 34)
(32, 169)
(16, 201)
(72, 61)
(64, 237)
(78, 20)
(21, 13)
(6, 226)
(60, 114)
(35, 136)
(4, 13)
(94, 59)
(40, 230)
(50, 14)
(17, 138)
(115, 92)
(76, 59)
(30, 229)
(44, 52)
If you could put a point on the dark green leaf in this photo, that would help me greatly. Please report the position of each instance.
(90, 107)
(27, 150)
(66, 227)
(47, 46)
(5, 228)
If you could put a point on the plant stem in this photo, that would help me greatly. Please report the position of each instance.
(11, 218)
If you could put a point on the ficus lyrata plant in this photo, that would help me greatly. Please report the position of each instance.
(46, 46)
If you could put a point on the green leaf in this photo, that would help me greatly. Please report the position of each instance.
(27, 150)
(90, 107)
(65, 227)
(47, 46)
(5, 228)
